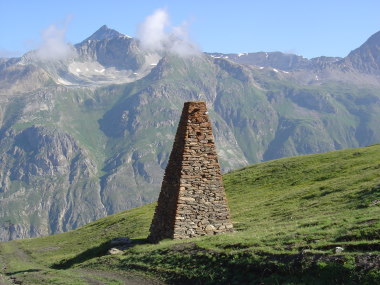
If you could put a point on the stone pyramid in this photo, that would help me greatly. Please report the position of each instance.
(192, 200)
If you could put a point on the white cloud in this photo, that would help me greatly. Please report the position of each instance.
(53, 45)
(152, 31)
(157, 34)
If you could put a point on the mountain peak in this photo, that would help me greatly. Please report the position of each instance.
(104, 33)
(366, 58)
(374, 39)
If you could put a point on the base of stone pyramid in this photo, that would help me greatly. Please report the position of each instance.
(192, 200)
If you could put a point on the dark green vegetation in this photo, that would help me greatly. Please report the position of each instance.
(290, 215)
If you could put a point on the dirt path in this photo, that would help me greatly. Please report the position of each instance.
(4, 280)
(18, 267)
(15, 263)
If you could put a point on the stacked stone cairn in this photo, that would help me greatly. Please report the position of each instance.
(192, 200)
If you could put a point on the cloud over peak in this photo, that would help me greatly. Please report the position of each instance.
(53, 45)
(157, 34)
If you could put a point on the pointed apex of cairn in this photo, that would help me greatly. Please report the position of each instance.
(192, 200)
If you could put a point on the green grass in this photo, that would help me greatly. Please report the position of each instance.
(289, 215)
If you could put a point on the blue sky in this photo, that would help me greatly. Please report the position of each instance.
(308, 28)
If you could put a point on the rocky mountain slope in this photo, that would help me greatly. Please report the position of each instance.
(90, 135)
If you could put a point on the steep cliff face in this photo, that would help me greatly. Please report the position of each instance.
(91, 135)
(47, 183)
(18, 78)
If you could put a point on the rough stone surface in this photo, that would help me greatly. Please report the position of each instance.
(192, 200)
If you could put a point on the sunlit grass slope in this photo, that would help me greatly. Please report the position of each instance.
(289, 214)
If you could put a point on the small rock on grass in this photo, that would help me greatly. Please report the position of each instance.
(114, 251)
(339, 249)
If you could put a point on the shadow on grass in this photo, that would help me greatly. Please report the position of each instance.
(90, 253)
(22, 271)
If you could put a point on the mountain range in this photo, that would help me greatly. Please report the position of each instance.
(89, 135)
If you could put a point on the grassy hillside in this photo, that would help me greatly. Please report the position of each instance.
(289, 214)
